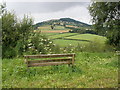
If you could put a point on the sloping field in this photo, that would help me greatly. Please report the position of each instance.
(65, 39)
(89, 37)
(64, 43)
(54, 31)
(62, 35)
(48, 29)
(50, 34)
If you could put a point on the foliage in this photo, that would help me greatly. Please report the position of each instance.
(105, 16)
(38, 44)
(14, 32)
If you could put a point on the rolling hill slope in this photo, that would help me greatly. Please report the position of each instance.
(63, 22)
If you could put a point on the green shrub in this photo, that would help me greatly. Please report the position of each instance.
(9, 53)
(14, 33)
(38, 44)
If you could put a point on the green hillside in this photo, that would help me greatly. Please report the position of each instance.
(66, 39)
(66, 22)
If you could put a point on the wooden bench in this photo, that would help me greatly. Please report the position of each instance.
(52, 59)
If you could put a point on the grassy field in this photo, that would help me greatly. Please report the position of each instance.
(91, 70)
(48, 27)
(65, 39)
(89, 37)
(62, 35)
(64, 43)
(57, 29)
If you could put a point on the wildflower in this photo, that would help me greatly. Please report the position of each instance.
(71, 49)
(48, 45)
(29, 47)
(64, 50)
(29, 44)
(60, 48)
(50, 42)
(54, 44)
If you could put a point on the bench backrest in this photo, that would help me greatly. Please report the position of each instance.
(54, 61)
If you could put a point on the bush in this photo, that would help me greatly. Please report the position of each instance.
(38, 44)
(10, 53)
(14, 34)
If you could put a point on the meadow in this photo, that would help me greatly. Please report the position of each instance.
(92, 69)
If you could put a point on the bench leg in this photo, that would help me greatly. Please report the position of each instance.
(73, 67)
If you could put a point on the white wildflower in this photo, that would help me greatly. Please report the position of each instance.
(29, 47)
(50, 42)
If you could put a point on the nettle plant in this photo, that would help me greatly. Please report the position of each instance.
(39, 44)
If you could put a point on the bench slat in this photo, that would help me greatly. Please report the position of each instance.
(51, 60)
(48, 63)
(48, 56)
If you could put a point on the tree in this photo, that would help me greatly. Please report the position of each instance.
(14, 33)
(106, 20)
(52, 26)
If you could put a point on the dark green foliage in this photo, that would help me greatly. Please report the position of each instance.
(52, 27)
(14, 34)
(105, 16)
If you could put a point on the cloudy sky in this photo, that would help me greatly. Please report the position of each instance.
(42, 11)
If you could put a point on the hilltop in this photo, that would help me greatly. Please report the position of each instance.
(63, 22)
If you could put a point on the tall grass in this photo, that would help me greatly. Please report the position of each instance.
(91, 70)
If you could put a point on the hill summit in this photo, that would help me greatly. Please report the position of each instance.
(63, 22)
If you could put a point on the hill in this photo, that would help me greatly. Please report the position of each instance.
(67, 22)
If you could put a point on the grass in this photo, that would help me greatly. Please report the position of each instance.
(62, 35)
(50, 34)
(90, 37)
(64, 43)
(48, 27)
(91, 70)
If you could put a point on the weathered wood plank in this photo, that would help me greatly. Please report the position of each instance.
(48, 63)
(51, 60)
(49, 55)
(56, 61)
(73, 58)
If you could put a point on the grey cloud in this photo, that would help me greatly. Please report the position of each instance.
(42, 7)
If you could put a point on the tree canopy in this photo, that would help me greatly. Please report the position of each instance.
(106, 20)
(14, 32)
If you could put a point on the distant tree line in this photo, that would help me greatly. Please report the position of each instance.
(81, 30)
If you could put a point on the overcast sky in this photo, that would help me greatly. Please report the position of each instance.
(42, 11)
